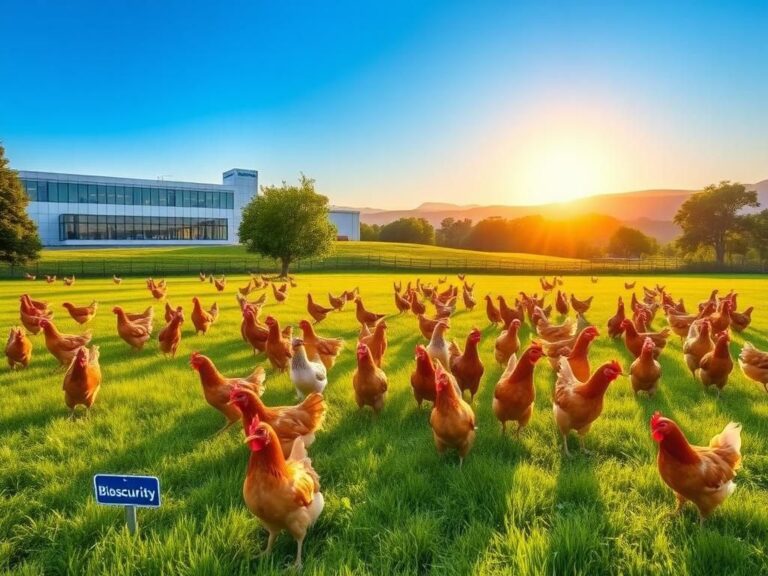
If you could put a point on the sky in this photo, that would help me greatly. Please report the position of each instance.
(391, 104)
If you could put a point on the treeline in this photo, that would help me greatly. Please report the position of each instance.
(586, 236)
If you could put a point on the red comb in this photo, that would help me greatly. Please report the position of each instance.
(655, 419)
(254, 425)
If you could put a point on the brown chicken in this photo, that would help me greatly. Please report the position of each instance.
(417, 307)
(508, 314)
(247, 289)
(494, 316)
(82, 380)
(170, 312)
(220, 283)
(740, 321)
(169, 337)
(364, 316)
(555, 332)
(18, 348)
(289, 422)
(507, 343)
(337, 303)
(579, 355)
(81, 314)
(716, 366)
(280, 297)
(698, 344)
(278, 347)
(135, 333)
(402, 304)
(423, 377)
(50, 279)
(203, 319)
(721, 320)
(514, 394)
(581, 306)
(252, 331)
(63, 347)
(158, 293)
(218, 390)
(629, 285)
(561, 303)
(69, 280)
(350, 295)
(452, 419)
(317, 312)
(284, 494)
(614, 323)
(680, 324)
(754, 364)
(702, 475)
(634, 339)
(369, 381)
(645, 371)
(469, 300)
(325, 349)
(31, 315)
(578, 404)
(377, 342)
(466, 366)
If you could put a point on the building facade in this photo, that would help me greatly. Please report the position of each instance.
(81, 210)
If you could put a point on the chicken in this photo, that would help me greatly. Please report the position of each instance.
(402, 304)
(301, 421)
(716, 366)
(700, 474)
(377, 342)
(81, 314)
(202, 319)
(494, 316)
(698, 344)
(280, 297)
(508, 314)
(69, 280)
(170, 336)
(721, 320)
(220, 283)
(31, 312)
(507, 343)
(614, 323)
(561, 303)
(629, 285)
(753, 363)
(581, 306)
(741, 320)
(170, 311)
(417, 307)
(158, 293)
(306, 375)
(63, 346)
(578, 404)
(136, 332)
(579, 355)
(680, 324)
(50, 279)
(645, 371)
(282, 494)
(452, 419)
(438, 347)
(350, 295)
(218, 389)
(252, 331)
(514, 394)
(28, 276)
(423, 377)
(337, 303)
(247, 289)
(364, 316)
(634, 339)
(555, 332)
(469, 300)
(278, 347)
(466, 367)
(117, 280)
(369, 381)
(18, 348)
(316, 311)
(326, 349)
(82, 379)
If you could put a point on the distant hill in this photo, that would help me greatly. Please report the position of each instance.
(651, 211)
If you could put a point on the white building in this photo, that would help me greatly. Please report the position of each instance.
(80, 210)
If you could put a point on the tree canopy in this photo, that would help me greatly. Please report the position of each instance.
(453, 233)
(287, 223)
(19, 241)
(707, 218)
(369, 232)
(413, 230)
(631, 243)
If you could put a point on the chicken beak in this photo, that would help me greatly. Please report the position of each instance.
(249, 439)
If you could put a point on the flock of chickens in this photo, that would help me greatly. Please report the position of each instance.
(281, 487)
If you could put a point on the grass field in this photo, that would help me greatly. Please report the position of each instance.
(393, 506)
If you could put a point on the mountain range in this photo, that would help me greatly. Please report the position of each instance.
(651, 211)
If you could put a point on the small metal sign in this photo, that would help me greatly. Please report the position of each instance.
(128, 491)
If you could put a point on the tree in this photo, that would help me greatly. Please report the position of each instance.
(708, 217)
(629, 242)
(413, 230)
(757, 230)
(288, 222)
(19, 241)
(453, 233)
(370, 232)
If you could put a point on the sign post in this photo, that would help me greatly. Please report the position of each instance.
(129, 491)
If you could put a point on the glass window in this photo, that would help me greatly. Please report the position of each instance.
(102, 193)
(208, 199)
(119, 227)
(120, 195)
(230, 201)
(162, 197)
(31, 186)
(53, 191)
(71, 192)
(216, 200)
(171, 197)
(111, 195)
(42, 191)
(136, 193)
(155, 197)
(93, 194)
(146, 196)
(82, 194)
(129, 232)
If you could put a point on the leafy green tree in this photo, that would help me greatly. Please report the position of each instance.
(370, 232)
(19, 241)
(629, 242)
(287, 223)
(413, 230)
(708, 217)
(757, 230)
(453, 233)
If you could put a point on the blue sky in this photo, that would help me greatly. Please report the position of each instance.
(394, 103)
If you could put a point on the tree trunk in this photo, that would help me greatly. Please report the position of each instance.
(720, 252)
(285, 262)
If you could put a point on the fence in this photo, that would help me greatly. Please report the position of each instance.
(374, 262)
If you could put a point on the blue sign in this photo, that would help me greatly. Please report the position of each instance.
(121, 490)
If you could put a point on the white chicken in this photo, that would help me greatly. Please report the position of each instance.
(307, 375)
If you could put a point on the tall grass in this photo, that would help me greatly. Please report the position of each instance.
(393, 505)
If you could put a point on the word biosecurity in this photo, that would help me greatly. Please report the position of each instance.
(142, 493)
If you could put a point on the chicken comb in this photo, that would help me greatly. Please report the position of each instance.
(655, 419)
(254, 425)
